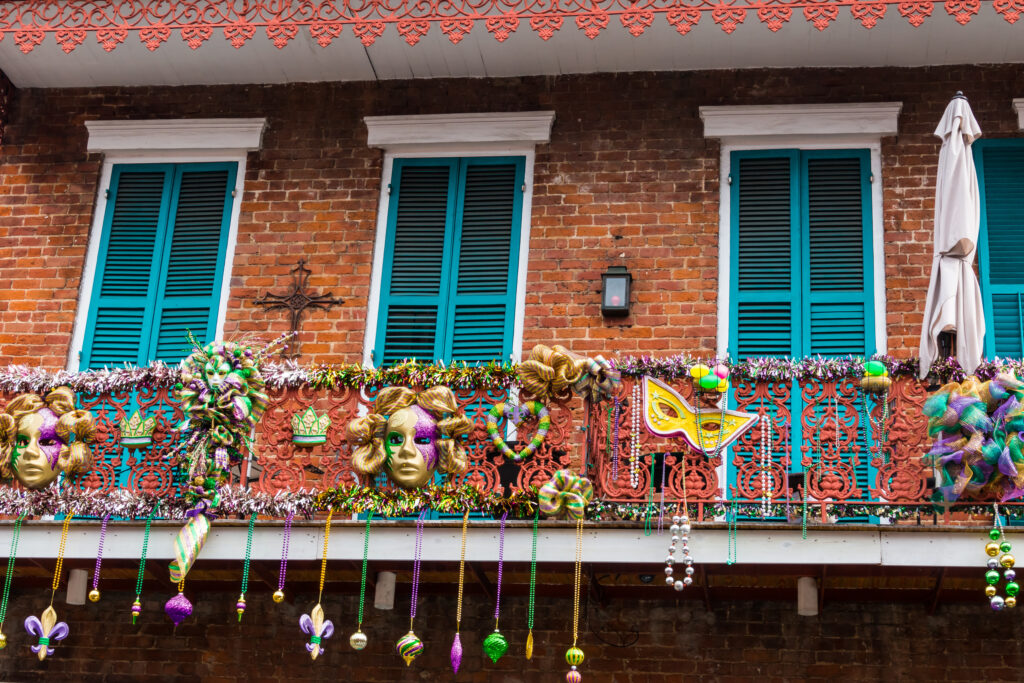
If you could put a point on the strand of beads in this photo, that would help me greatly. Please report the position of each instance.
(616, 413)
(634, 440)
(533, 588)
(279, 593)
(409, 646)
(94, 594)
(15, 535)
(358, 639)
(997, 545)
(240, 605)
(137, 605)
(456, 654)
(680, 531)
(496, 644)
(766, 463)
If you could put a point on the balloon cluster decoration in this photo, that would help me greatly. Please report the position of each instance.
(222, 396)
(410, 434)
(998, 544)
(708, 379)
(42, 436)
(978, 449)
(566, 496)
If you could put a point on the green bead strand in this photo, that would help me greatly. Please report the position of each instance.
(362, 584)
(142, 567)
(10, 568)
(240, 608)
(533, 573)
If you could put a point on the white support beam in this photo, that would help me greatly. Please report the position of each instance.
(394, 542)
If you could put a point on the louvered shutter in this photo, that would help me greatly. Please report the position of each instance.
(160, 266)
(482, 301)
(764, 250)
(415, 281)
(196, 242)
(1001, 175)
(838, 307)
(121, 311)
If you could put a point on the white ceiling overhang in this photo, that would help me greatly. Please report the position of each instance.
(170, 42)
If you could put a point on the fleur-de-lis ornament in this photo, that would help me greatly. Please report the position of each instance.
(317, 628)
(48, 630)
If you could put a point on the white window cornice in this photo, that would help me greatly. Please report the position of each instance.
(857, 119)
(1018, 106)
(176, 135)
(396, 132)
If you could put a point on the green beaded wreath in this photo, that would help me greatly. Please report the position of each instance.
(516, 414)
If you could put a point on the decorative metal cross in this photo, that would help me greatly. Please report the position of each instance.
(297, 300)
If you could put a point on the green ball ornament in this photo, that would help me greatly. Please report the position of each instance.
(1012, 588)
(574, 656)
(709, 381)
(1005, 547)
(994, 534)
(495, 646)
(992, 576)
(874, 368)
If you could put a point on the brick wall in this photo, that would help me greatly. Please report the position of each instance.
(627, 172)
(736, 642)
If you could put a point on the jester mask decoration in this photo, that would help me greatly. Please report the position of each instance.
(40, 437)
(409, 435)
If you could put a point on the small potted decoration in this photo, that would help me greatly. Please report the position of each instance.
(136, 432)
(309, 429)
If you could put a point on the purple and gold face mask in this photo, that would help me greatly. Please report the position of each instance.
(36, 449)
(410, 442)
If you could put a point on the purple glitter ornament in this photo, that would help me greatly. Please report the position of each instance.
(178, 609)
(456, 653)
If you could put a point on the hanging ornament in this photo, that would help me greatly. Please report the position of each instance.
(634, 438)
(313, 624)
(94, 594)
(565, 496)
(574, 655)
(410, 646)
(667, 414)
(515, 415)
(137, 605)
(767, 480)
(533, 588)
(136, 432)
(876, 378)
(456, 654)
(46, 627)
(496, 645)
(15, 535)
(178, 608)
(286, 537)
(310, 429)
(875, 383)
(358, 639)
(240, 605)
(614, 413)
(996, 545)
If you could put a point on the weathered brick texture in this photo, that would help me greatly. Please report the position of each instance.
(627, 178)
(737, 642)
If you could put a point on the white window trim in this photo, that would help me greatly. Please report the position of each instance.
(1018, 106)
(814, 126)
(454, 135)
(170, 141)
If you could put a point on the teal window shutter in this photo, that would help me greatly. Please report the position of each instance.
(450, 260)
(160, 265)
(1000, 165)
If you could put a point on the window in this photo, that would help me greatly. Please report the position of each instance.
(801, 254)
(451, 260)
(160, 266)
(1000, 165)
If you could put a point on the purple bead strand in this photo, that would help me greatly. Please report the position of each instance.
(416, 564)
(284, 550)
(99, 553)
(501, 561)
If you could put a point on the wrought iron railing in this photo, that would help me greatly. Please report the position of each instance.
(825, 453)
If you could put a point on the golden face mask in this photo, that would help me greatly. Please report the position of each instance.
(410, 441)
(667, 414)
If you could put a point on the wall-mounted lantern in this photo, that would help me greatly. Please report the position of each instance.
(615, 286)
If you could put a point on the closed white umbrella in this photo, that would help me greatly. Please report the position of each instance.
(954, 298)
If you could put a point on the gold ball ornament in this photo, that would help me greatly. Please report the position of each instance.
(1007, 560)
(357, 640)
(3, 641)
(992, 549)
(278, 596)
(574, 656)
(990, 591)
(94, 595)
(1010, 602)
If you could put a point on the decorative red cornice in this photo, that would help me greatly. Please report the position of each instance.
(110, 22)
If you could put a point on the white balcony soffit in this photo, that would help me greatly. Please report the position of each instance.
(940, 40)
(881, 546)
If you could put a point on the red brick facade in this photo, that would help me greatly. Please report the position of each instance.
(736, 642)
(627, 172)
